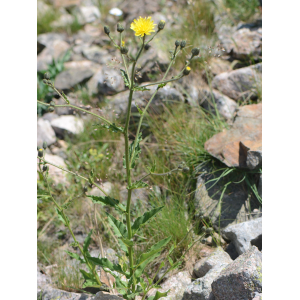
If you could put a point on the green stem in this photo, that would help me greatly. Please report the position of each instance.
(159, 82)
(78, 108)
(158, 174)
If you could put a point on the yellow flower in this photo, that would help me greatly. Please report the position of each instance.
(188, 68)
(142, 26)
(123, 43)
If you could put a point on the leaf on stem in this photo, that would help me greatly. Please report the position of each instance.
(113, 128)
(76, 256)
(65, 220)
(140, 88)
(118, 227)
(91, 283)
(106, 200)
(137, 185)
(145, 218)
(87, 242)
(159, 295)
(135, 153)
(86, 275)
(125, 77)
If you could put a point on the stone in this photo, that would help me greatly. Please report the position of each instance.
(138, 194)
(87, 14)
(50, 293)
(54, 50)
(73, 76)
(106, 186)
(106, 81)
(204, 265)
(241, 279)
(56, 174)
(67, 125)
(243, 140)
(105, 296)
(234, 204)
(45, 133)
(200, 289)
(50, 116)
(96, 54)
(225, 106)
(43, 280)
(230, 249)
(239, 84)
(63, 21)
(242, 234)
(176, 284)
(242, 41)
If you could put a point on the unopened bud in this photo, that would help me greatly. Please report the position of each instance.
(52, 103)
(45, 145)
(186, 71)
(120, 28)
(106, 30)
(45, 81)
(182, 44)
(50, 109)
(161, 25)
(85, 189)
(208, 230)
(124, 50)
(177, 43)
(185, 169)
(45, 168)
(147, 46)
(195, 52)
(40, 152)
(47, 75)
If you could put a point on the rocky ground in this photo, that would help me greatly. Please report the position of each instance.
(233, 270)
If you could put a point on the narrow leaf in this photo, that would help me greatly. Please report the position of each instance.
(91, 283)
(108, 201)
(61, 217)
(76, 256)
(87, 241)
(86, 275)
(125, 77)
(159, 295)
(118, 227)
(138, 185)
(145, 218)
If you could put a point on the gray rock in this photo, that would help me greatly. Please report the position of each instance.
(138, 194)
(233, 208)
(45, 133)
(242, 279)
(43, 280)
(87, 14)
(254, 159)
(54, 50)
(204, 265)
(105, 296)
(106, 81)
(239, 84)
(67, 125)
(200, 289)
(242, 234)
(177, 285)
(96, 54)
(50, 293)
(230, 249)
(63, 21)
(50, 116)
(225, 106)
(106, 186)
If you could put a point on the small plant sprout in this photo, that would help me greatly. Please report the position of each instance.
(130, 272)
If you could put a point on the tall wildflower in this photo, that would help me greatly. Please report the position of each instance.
(142, 26)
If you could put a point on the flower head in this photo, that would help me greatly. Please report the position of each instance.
(142, 26)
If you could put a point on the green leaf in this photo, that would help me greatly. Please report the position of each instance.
(113, 127)
(105, 263)
(140, 88)
(65, 97)
(118, 227)
(61, 217)
(147, 257)
(136, 152)
(91, 283)
(162, 85)
(138, 185)
(86, 275)
(87, 242)
(170, 261)
(125, 77)
(108, 201)
(127, 242)
(153, 168)
(140, 111)
(145, 218)
(159, 295)
(76, 256)
(123, 246)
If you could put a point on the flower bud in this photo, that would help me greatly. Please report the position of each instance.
(106, 30)
(177, 43)
(182, 44)
(45, 145)
(47, 76)
(161, 25)
(208, 230)
(186, 71)
(52, 103)
(120, 28)
(147, 46)
(124, 50)
(195, 52)
(50, 109)
(40, 152)
(85, 189)
(45, 168)
(45, 81)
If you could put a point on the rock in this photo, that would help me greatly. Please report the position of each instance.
(225, 106)
(67, 125)
(108, 253)
(138, 194)
(241, 145)
(54, 50)
(106, 186)
(239, 84)
(106, 81)
(177, 285)
(234, 205)
(200, 289)
(50, 116)
(96, 54)
(242, 234)
(164, 95)
(204, 265)
(230, 249)
(73, 76)
(241, 279)
(69, 110)
(215, 67)
(242, 41)
(87, 14)
(63, 21)
(47, 39)
(57, 175)
(42, 280)
(45, 133)
(105, 296)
